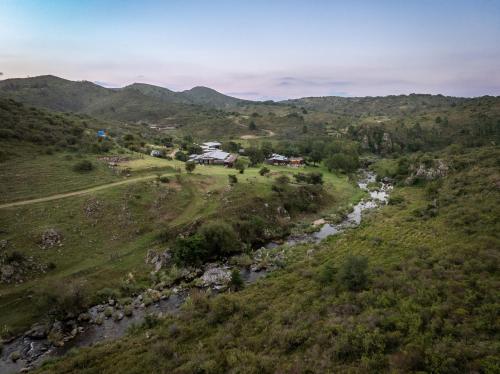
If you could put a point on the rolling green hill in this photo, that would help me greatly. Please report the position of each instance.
(131, 103)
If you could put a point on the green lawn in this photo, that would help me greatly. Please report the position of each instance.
(44, 175)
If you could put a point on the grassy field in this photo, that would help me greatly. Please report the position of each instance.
(43, 175)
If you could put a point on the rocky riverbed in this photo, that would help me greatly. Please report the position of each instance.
(111, 320)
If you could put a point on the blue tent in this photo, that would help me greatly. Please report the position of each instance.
(101, 134)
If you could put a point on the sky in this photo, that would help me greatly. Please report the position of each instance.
(259, 49)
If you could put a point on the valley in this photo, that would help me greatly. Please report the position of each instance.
(347, 234)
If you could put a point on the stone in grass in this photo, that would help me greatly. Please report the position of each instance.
(99, 320)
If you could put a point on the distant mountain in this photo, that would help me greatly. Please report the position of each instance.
(377, 105)
(48, 91)
(209, 97)
(137, 101)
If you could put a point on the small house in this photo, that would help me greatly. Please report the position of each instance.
(277, 159)
(211, 145)
(296, 161)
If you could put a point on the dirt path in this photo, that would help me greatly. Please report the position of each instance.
(269, 134)
(75, 193)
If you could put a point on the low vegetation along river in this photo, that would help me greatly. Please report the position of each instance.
(33, 351)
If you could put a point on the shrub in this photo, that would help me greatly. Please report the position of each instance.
(83, 166)
(343, 162)
(240, 165)
(181, 156)
(219, 239)
(164, 179)
(326, 274)
(236, 283)
(65, 299)
(190, 166)
(264, 171)
(189, 250)
(353, 273)
(213, 240)
(232, 179)
(310, 178)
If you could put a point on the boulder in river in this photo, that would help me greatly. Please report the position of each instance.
(215, 276)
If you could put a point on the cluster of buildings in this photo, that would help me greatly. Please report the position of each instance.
(213, 155)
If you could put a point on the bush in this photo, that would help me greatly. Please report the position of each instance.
(310, 178)
(219, 238)
(326, 274)
(65, 299)
(83, 166)
(353, 273)
(190, 250)
(213, 240)
(232, 179)
(164, 179)
(181, 156)
(190, 166)
(264, 171)
(343, 162)
(240, 165)
(236, 283)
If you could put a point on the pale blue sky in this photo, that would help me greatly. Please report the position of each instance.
(260, 49)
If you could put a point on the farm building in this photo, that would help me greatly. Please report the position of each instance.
(210, 146)
(296, 161)
(277, 159)
(214, 157)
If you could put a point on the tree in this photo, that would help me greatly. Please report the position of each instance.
(220, 239)
(252, 126)
(239, 165)
(316, 156)
(255, 155)
(343, 162)
(236, 283)
(181, 156)
(231, 147)
(190, 250)
(304, 129)
(190, 166)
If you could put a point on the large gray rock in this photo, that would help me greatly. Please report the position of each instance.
(215, 276)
